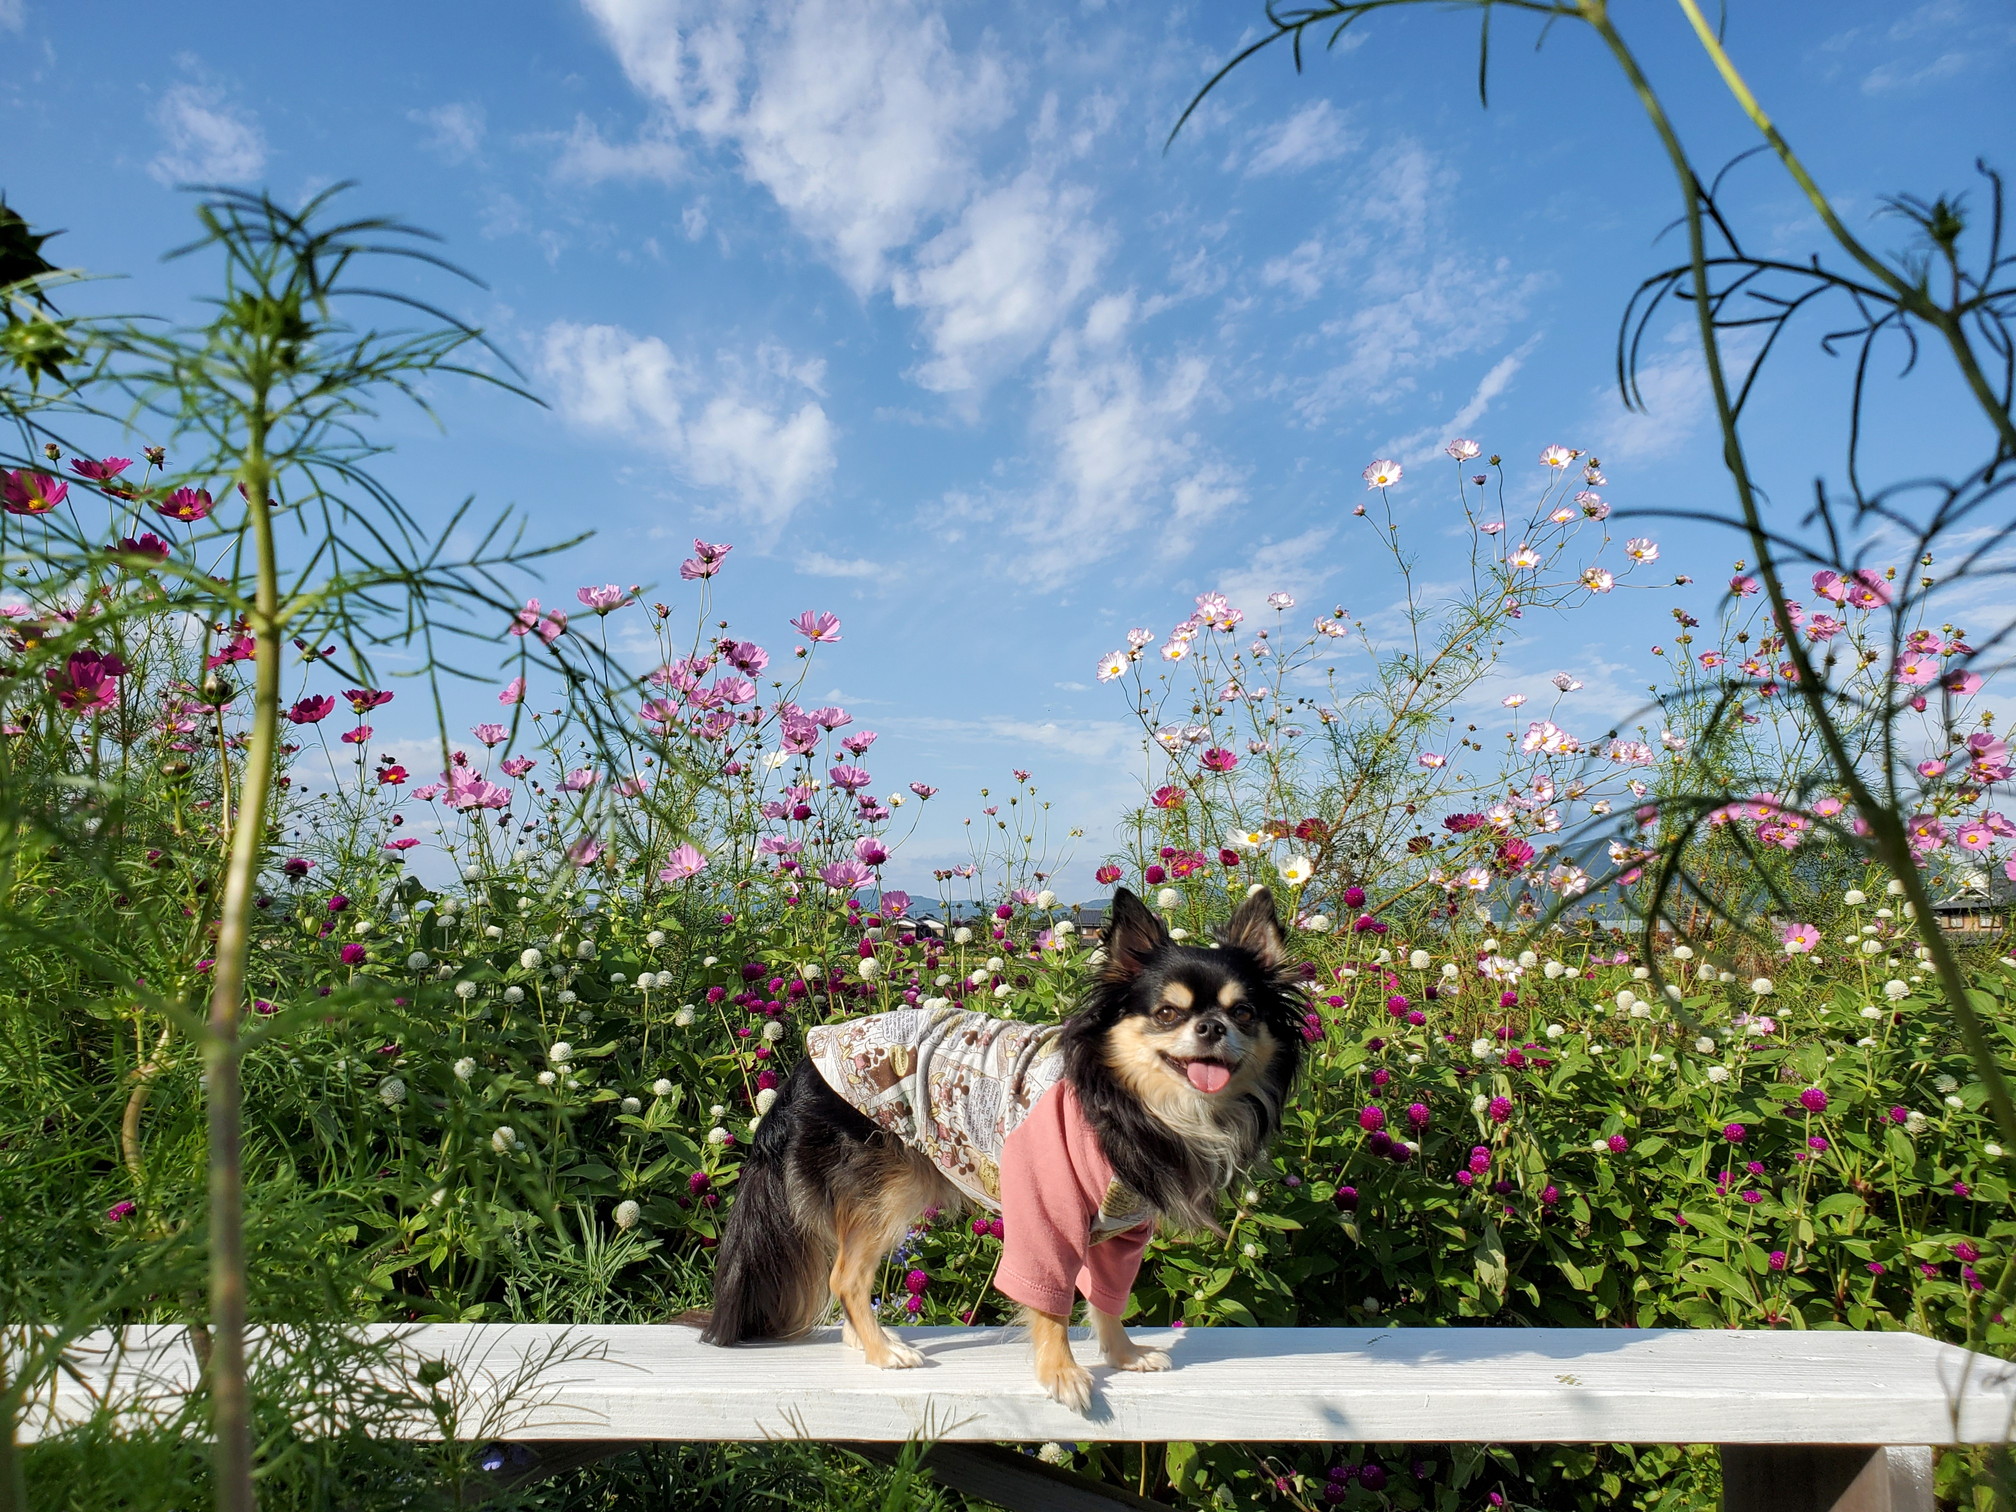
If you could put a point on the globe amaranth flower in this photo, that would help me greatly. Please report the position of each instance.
(1372, 1118)
(1500, 1110)
(1813, 1100)
(1618, 1144)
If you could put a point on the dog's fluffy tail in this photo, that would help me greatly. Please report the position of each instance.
(770, 1273)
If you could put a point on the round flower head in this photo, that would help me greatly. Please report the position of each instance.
(627, 1213)
(1382, 474)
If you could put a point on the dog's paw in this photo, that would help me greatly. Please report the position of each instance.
(1137, 1358)
(1069, 1383)
(894, 1355)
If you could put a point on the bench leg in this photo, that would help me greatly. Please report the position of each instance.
(1017, 1481)
(1825, 1478)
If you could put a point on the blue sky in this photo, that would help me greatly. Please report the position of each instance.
(908, 302)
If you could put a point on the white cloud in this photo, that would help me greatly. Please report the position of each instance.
(454, 131)
(995, 285)
(587, 157)
(1415, 448)
(13, 14)
(1675, 402)
(1897, 77)
(855, 115)
(1315, 134)
(205, 140)
(1126, 460)
(732, 429)
(819, 564)
(1096, 740)
(1296, 565)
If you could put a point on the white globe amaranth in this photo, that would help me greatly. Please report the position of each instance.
(465, 990)
(618, 978)
(773, 1031)
(493, 932)
(1854, 897)
(585, 951)
(717, 1135)
(1480, 1103)
(1419, 959)
(662, 1088)
(1046, 899)
(632, 1105)
(514, 994)
(392, 1091)
(504, 1140)
(1718, 1073)
(1553, 971)
(1895, 990)
(547, 1079)
(655, 938)
(1318, 924)
(532, 959)
(870, 968)
(627, 1214)
(719, 1110)
(1762, 986)
(811, 971)
(560, 1053)
(1683, 952)
(1555, 1031)
(465, 1068)
(662, 981)
(685, 1016)
(419, 961)
(1168, 898)
(766, 1100)
(565, 999)
(962, 936)
(1704, 1046)
(1449, 971)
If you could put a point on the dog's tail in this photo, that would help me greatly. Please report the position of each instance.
(770, 1277)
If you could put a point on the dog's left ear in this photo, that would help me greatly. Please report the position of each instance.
(1256, 930)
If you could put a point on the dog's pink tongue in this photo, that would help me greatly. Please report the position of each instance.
(1207, 1076)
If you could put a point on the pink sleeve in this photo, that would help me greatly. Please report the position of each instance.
(1053, 1179)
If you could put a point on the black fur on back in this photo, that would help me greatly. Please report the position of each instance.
(1178, 1176)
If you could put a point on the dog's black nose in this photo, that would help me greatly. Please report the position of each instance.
(1210, 1030)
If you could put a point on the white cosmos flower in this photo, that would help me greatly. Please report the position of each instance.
(1112, 665)
(1557, 456)
(1566, 683)
(1642, 549)
(1463, 449)
(1525, 556)
(1280, 601)
(1175, 650)
(1296, 870)
(1383, 473)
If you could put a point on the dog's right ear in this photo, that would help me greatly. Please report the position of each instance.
(1133, 934)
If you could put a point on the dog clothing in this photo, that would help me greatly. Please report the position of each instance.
(986, 1101)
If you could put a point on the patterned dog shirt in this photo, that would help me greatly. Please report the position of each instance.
(986, 1101)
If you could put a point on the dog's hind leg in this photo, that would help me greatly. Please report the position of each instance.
(1121, 1352)
(867, 1223)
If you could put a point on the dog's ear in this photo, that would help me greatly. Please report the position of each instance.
(1256, 930)
(1133, 934)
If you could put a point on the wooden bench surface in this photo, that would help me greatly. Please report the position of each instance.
(1411, 1385)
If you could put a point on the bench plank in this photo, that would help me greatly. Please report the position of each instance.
(1260, 1385)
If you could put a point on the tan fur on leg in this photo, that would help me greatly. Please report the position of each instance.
(1121, 1352)
(1057, 1372)
(866, 1229)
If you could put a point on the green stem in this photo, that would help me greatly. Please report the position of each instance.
(230, 1400)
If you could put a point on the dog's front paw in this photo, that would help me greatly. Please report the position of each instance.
(1067, 1382)
(1134, 1357)
(894, 1354)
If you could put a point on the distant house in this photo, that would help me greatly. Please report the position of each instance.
(1977, 908)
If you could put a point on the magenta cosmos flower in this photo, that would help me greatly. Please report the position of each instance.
(364, 700)
(88, 683)
(684, 861)
(518, 766)
(844, 876)
(817, 625)
(32, 493)
(311, 710)
(604, 599)
(1218, 759)
(1107, 875)
(102, 471)
(187, 505)
(705, 561)
(149, 545)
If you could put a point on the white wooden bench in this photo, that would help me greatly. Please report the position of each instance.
(1807, 1422)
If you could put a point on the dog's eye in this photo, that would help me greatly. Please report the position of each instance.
(1242, 1014)
(1168, 1013)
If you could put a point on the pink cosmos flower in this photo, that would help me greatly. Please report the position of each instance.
(357, 736)
(895, 903)
(148, 545)
(1218, 759)
(1463, 449)
(1593, 506)
(1927, 834)
(923, 790)
(1989, 760)
(31, 493)
(734, 690)
(403, 843)
(311, 710)
(870, 851)
(1107, 875)
(849, 779)
(514, 692)
(1867, 589)
(579, 780)
(100, 472)
(187, 505)
(1914, 669)
(831, 718)
(427, 792)
(1962, 684)
(478, 793)
(857, 744)
(87, 683)
(364, 700)
(817, 626)
(1742, 585)
(1932, 768)
(1431, 759)
(746, 656)
(658, 710)
(586, 851)
(518, 766)
(1830, 585)
(1168, 797)
(1827, 808)
(491, 734)
(1823, 627)
(604, 599)
(632, 787)
(844, 876)
(1799, 939)
(1974, 837)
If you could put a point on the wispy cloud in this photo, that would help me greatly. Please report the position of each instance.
(1315, 134)
(13, 15)
(454, 131)
(819, 564)
(205, 139)
(588, 157)
(744, 429)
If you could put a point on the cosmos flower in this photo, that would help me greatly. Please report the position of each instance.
(1218, 759)
(604, 599)
(187, 505)
(684, 861)
(1593, 506)
(1799, 939)
(1566, 683)
(100, 472)
(844, 876)
(817, 626)
(579, 780)
(1596, 580)
(1642, 549)
(1524, 557)
(311, 710)
(1463, 449)
(31, 493)
(491, 734)
(849, 779)
(1383, 473)
(1113, 664)
(1296, 870)
(88, 682)
(514, 692)
(518, 766)
(364, 700)
(1279, 601)
(923, 790)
